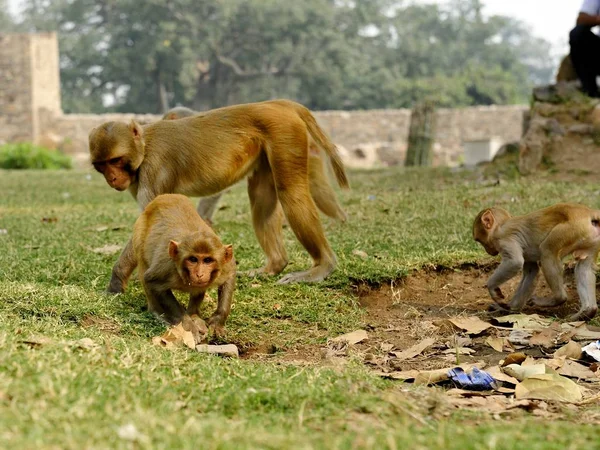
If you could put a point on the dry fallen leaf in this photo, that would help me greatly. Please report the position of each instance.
(175, 335)
(109, 249)
(459, 351)
(472, 325)
(525, 321)
(497, 343)
(570, 350)
(414, 350)
(546, 337)
(514, 358)
(573, 369)
(497, 374)
(36, 341)
(360, 254)
(352, 338)
(84, 343)
(549, 386)
(523, 372)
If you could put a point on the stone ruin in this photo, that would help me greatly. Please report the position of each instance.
(30, 110)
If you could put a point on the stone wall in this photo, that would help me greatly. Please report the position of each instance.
(30, 110)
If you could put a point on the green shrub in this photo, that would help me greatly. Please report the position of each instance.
(29, 156)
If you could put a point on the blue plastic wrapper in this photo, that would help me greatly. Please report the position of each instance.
(477, 380)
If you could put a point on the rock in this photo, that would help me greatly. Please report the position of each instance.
(581, 128)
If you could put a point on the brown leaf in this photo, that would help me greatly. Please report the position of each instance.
(109, 249)
(544, 338)
(472, 325)
(360, 254)
(571, 350)
(497, 343)
(549, 386)
(497, 373)
(415, 350)
(525, 321)
(352, 338)
(36, 341)
(49, 219)
(514, 358)
(176, 335)
(573, 369)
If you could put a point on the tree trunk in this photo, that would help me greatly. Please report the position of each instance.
(421, 135)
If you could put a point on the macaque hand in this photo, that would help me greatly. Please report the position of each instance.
(196, 326)
(216, 324)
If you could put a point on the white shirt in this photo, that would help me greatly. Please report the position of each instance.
(590, 7)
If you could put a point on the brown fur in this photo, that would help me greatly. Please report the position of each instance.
(206, 153)
(173, 248)
(545, 236)
(320, 189)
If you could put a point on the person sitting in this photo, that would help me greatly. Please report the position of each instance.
(585, 47)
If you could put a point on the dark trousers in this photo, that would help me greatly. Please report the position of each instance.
(585, 56)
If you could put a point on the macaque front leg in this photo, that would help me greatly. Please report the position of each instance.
(586, 288)
(164, 305)
(194, 303)
(122, 270)
(508, 268)
(217, 320)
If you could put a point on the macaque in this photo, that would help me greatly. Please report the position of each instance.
(173, 248)
(542, 239)
(204, 154)
(320, 189)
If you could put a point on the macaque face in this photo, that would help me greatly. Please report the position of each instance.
(199, 270)
(116, 171)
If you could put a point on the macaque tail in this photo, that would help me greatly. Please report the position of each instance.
(325, 144)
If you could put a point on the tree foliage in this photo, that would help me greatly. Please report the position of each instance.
(133, 56)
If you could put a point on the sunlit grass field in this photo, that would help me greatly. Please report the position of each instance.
(120, 391)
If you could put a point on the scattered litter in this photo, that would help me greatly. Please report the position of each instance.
(472, 325)
(415, 350)
(222, 350)
(439, 375)
(498, 375)
(593, 350)
(477, 380)
(549, 386)
(352, 338)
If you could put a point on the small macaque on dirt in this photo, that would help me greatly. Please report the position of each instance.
(269, 142)
(542, 239)
(174, 249)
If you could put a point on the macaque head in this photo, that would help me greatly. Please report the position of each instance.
(485, 225)
(199, 258)
(117, 151)
(179, 112)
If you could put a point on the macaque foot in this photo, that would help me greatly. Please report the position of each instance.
(196, 326)
(584, 314)
(313, 275)
(546, 302)
(499, 308)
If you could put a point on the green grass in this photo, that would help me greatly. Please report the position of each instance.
(58, 395)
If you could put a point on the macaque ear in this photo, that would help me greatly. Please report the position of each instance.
(487, 219)
(136, 129)
(171, 116)
(173, 249)
(228, 253)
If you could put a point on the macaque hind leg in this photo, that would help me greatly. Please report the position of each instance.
(552, 268)
(122, 270)
(301, 212)
(267, 219)
(586, 288)
(208, 205)
(525, 289)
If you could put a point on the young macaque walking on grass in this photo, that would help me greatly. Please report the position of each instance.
(174, 249)
(542, 239)
(204, 154)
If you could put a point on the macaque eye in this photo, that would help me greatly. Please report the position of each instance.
(114, 160)
(208, 260)
(193, 259)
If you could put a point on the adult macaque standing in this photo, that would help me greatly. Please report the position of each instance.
(542, 238)
(174, 249)
(320, 189)
(204, 154)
